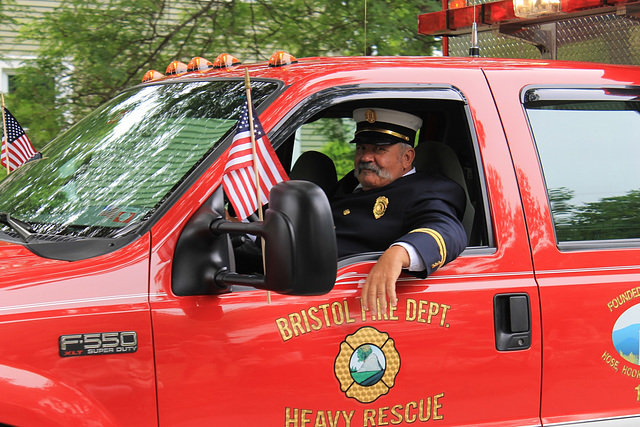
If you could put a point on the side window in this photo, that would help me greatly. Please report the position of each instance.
(445, 146)
(330, 136)
(589, 149)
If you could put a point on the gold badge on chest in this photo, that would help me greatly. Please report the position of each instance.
(380, 207)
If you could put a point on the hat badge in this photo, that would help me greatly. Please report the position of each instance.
(370, 116)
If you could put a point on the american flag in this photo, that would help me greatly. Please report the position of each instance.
(20, 149)
(239, 177)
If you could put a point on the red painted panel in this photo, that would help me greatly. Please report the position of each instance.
(583, 293)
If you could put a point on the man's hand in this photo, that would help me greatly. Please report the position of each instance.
(381, 281)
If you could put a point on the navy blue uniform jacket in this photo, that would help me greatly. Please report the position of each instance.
(420, 209)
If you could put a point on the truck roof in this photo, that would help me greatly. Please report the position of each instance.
(341, 69)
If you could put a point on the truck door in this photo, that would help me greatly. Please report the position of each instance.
(579, 179)
(461, 348)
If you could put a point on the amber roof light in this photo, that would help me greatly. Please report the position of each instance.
(199, 64)
(176, 67)
(151, 75)
(224, 60)
(281, 58)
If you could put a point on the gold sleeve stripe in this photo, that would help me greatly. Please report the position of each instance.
(439, 241)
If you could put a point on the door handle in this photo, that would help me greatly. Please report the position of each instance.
(512, 316)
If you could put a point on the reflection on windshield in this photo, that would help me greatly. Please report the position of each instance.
(116, 166)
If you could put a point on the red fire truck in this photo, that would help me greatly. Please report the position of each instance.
(125, 297)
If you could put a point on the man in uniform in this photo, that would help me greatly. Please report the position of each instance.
(385, 205)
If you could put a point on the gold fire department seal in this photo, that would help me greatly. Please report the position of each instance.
(380, 207)
(367, 364)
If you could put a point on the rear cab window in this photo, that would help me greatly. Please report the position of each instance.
(587, 142)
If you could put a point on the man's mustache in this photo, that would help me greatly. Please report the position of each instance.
(370, 166)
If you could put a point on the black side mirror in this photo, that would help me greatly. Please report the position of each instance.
(300, 246)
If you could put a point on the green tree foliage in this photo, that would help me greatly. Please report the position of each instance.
(609, 218)
(339, 134)
(34, 102)
(92, 49)
(342, 155)
(6, 5)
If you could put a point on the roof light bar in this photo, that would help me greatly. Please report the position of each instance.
(530, 8)
(497, 12)
(455, 4)
(454, 21)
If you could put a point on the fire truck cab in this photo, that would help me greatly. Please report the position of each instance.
(127, 297)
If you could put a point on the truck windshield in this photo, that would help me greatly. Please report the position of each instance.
(116, 166)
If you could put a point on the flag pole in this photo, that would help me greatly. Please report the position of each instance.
(5, 141)
(247, 85)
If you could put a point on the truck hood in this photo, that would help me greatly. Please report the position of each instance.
(17, 261)
(30, 283)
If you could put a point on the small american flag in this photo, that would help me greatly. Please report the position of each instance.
(20, 149)
(239, 175)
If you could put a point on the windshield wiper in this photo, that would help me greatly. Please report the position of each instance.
(64, 248)
(22, 228)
